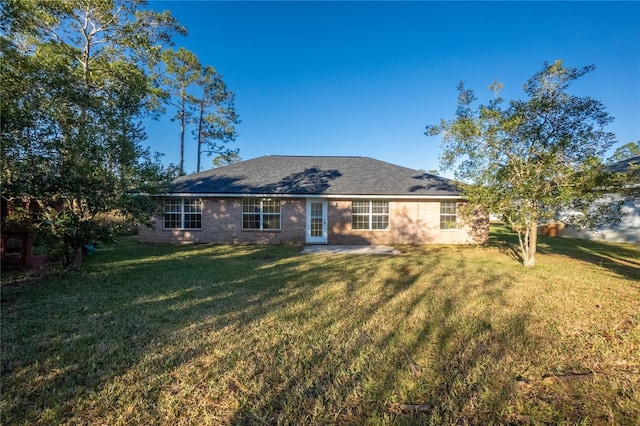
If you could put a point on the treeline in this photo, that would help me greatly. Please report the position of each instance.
(78, 79)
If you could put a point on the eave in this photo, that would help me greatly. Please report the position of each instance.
(332, 196)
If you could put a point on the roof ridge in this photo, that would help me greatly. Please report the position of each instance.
(317, 156)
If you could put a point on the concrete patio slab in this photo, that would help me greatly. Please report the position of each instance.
(372, 249)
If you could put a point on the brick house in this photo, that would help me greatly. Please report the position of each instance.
(315, 200)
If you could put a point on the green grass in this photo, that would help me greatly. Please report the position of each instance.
(215, 334)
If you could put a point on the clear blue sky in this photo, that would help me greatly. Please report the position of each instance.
(364, 78)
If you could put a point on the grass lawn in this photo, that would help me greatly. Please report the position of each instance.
(216, 334)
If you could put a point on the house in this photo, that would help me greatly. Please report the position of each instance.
(315, 200)
(627, 230)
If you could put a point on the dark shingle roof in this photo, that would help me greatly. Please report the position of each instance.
(277, 174)
(624, 165)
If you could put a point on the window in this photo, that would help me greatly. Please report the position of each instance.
(260, 214)
(448, 215)
(183, 213)
(371, 214)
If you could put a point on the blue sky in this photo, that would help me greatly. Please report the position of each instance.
(365, 78)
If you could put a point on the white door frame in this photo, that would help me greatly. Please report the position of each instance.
(316, 239)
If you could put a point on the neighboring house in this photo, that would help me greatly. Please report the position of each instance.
(628, 229)
(315, 200)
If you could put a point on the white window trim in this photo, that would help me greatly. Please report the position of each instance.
(182, 214)
(449, 214)
(371, 215)
(262, 214)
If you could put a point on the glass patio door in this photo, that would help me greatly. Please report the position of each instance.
(316, 221)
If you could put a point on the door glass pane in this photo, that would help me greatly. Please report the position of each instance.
(316, 209)
(316, 219)
(316, 227)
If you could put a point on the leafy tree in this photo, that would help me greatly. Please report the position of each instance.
(627, 171)
(624, 152)
(530, 160)
(76, 88)
(226, 159)
(217, 116)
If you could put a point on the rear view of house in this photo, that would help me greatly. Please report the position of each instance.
(315, 200)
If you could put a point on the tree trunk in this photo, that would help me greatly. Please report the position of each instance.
(76, 258)
(182, 128)
(200, 133)
(530, 255)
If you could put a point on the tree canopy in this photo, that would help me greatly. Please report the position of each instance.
(531, 160)
(625, 152)
(200, 97)
(216, 119)
(75, 87)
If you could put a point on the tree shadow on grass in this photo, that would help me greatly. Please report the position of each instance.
(621, 259)
(258, 334)
(362, 369)
(464, 348)
(77, 335)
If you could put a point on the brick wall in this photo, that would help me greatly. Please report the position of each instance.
(222, 223)
(411, 222)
